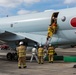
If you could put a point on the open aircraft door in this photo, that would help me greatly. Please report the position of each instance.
(55, 38)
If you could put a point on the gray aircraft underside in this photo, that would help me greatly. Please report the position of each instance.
(33, 27)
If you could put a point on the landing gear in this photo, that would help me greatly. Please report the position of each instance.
(9, 56)
(12, 56)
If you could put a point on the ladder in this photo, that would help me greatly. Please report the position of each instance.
(48, 41)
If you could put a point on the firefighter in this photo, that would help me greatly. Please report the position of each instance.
(40, 55)
(54, 26)
(21, 51)
(50, 53)
(50, 32)
(34, 54)
(52, 29)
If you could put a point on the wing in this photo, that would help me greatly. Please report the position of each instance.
(28, 37)
(9, 36)
(34, 37)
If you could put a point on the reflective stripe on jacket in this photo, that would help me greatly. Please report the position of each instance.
(21, 51)
(50, 50)
(50, 31)
(40, 52)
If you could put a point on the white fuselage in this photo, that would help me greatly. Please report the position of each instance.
(39, 22)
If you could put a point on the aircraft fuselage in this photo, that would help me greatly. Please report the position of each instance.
(38, 23)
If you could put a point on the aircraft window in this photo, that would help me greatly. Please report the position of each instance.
(11, 25)
(63, 18)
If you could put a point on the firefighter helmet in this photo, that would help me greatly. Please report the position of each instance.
(21, 43)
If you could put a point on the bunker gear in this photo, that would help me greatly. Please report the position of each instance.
(40, 55)
(50, 53)
(21, 51)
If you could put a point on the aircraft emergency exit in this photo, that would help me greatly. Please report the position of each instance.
(32, 28)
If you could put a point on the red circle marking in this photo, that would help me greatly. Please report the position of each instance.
(73, 22)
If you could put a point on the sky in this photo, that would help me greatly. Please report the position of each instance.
(23, 7)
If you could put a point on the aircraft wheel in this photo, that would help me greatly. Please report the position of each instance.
(9, 56)
(15, 56)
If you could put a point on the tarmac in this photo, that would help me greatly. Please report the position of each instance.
(66, 52)
(56, 68)
(33, 68)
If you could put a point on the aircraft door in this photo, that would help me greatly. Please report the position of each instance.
(54, 39)
(54, 15)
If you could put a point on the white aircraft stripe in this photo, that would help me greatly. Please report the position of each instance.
(28, 20)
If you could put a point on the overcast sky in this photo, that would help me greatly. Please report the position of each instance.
(19, 7)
